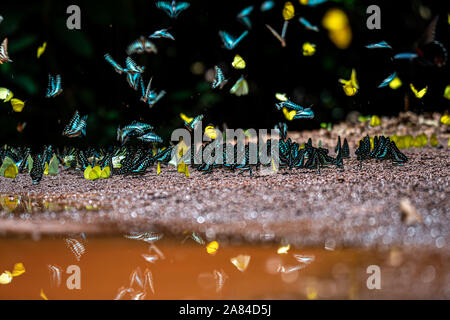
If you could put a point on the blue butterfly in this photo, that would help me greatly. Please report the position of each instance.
(76, 126)
(140, 46)
(163, 33)
(150, 137)
(243, 16)
(289, 105)
(304, 114)
(194, 123)
(132, 130)
(267, 5)
(378, 45)
(229, 41)
(134, 80)
(388, 80)
(219, 79)
(115, 65)
(54, 86)
(132, 67)
(173, 9)
(150, 96)
(406, 55)
(308, 25)
(313, 3)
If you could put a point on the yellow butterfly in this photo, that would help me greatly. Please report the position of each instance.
(96, 173)
(350, 86)
(445, 119)
(396, 83)
(5, 94)
(158, 169)
(281, 96)
(375, 121)
(288, 11)
(238, 62)
(8, 168)
(212, 247)
(41, 50)
(309, 49)
(447, 92)
(186, 118)
(211, 132)
(419, 94)
(17, 105)
(289, 115)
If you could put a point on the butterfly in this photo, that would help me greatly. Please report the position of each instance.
(17, 105)
(279, 37)
(289, 105)
(132, 67)
(163, 33)
(378, 45)
(351, 86)
(308, 25)
(54, 86)
(240, 88)
(229, 41)
(149, 96)
(243, 16)
(76, 126)
(6, 94)
(418, 93)
(219, 79)
(388, 80)
(132, 130)
(309, 49)
(37, 170)
(173, 9)
(41, 50)
(115, 65)
(429, 51)
(4, 57)
(267, 6)
(140, 46)
(150, 137)
(312, 3)
(192, 124)
(238, 62)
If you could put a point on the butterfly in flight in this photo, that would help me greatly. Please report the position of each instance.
(140, 46)
(132, 130)
(150, 96)
(4, 57)
(192, 124)
(76, 126)
(163, 33)
(219, 79)
(150, 137)
(240, 88)
(267, 6)
(54, 86)
(277, 35)
(308, 25)
(229, 41)
(388, 80)
(243, 16)
(429, 51)
(173, 9)
(115, 65)
(379, 45)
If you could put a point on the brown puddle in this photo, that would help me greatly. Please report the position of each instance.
(114, 267)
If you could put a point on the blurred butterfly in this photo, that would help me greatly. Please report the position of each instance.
(281, 96)
(134, 79)
(192, 124)
(54, 86)
(429, 51)
(240, 88)
(309, 49)
(76, 126)
(219, 79)
(288, 11)
(150, 137)
(133, 130)
(308, 25)
(173, 9)
(289, 105)
(21, 126)
(6, 94)
(132, 67)
(229, 41)
(418, 93)
(289, 115)
(312, 3)
(115, 65)
(163, 33)
(140, 46)
(243, 16)
(4, 57)
(41, 50)
(304, 114)
(267, 5)
(149, 96)
(238, 62)
(280, 38)
(351, 86)
(1, 19)
(388, 80)
(17, 105)
(378, 45)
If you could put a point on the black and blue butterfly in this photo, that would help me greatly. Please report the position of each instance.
(76, 126)
(54, 86)
(163, 33)
(150, 96)
(140, 46)
(173, 8)
(229, 41)
(219, 79)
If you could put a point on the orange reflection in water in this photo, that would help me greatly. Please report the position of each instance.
(184, 270)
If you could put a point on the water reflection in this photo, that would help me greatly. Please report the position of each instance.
(150, 266)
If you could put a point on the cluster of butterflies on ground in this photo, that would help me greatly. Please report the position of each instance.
(135, 159)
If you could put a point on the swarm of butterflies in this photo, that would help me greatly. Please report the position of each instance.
(139, 144)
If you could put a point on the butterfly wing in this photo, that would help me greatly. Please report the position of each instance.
(166, 7)
(388, 80)
(179, 7)
(115, 65)
(227, 39)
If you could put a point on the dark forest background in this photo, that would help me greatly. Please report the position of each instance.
(92, 87)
